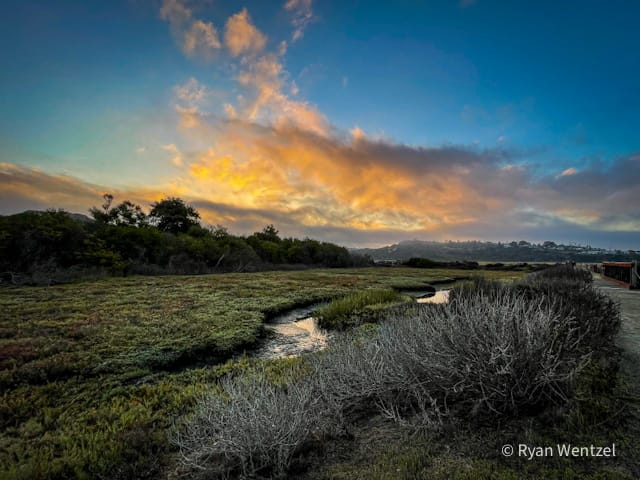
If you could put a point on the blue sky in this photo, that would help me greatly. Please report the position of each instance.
(247, 108)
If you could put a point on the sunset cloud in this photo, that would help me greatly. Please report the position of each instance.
(363, 184)
(191, 92)
(201, 39)
(363, 192)
(302, 16)
(196, 38)
(242, 36)
(569, 171)
(176, 13)
(274, 158)
(230, 110)
(176, 155)
(366, 184)
(261, 74)
(266, 102)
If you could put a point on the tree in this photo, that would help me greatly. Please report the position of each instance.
(173, 215)
(127, 213)
(219, 232)
(30, 240)
(102, 216)
(268, 234)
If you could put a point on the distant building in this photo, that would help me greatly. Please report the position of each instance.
(386, 263)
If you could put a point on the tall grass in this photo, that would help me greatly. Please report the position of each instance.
(341, 312)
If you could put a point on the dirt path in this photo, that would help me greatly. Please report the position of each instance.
(629, 337)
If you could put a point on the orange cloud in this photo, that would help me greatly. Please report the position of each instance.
(195, 37)
(356, 192)
(350, 182)
(261, 74)
(201, 39)
(268, 104)
(23, 188)
(242, 36)
(176, 155)
(302, 16)
(283, 154)
(175, 12)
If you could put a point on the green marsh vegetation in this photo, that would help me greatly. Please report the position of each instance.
(359, 307)
(93, 374)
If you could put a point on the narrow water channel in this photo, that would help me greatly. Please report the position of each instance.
(296, 332)
(293, 333)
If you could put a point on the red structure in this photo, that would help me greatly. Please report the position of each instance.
(626, 274)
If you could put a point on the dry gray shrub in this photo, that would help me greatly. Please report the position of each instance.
(251, 427)
(499, 353)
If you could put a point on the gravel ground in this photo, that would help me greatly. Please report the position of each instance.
(629, 337)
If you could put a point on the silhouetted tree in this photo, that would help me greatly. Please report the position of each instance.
(219, 232)
(173, 215)
(268, 234)
(127, 213)
(102, 216)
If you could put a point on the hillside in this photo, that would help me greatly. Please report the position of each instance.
(496, 252)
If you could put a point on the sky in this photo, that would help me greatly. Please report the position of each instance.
(358, 122)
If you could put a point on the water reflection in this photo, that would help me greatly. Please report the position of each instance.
(293, 333)
(426, 296)
(441, 296)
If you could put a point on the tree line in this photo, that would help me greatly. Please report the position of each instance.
(56, 246)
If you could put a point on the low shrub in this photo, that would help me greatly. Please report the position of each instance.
(595, 316)
(563, 272)
(591, 314)
(253, 426)
(497, 354)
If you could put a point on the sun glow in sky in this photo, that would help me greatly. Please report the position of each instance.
(361, 123)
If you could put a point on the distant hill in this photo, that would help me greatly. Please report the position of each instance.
(78, 217)
(495, 252)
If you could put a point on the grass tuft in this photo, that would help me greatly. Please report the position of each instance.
(357, 307)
